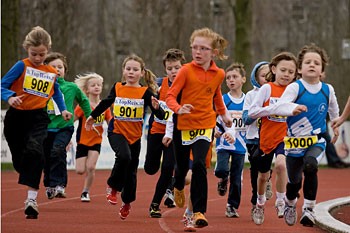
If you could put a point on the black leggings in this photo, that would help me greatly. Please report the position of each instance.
(199, 182)
(123, 176)
(308, 165)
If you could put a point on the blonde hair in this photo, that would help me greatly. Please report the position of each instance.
(149, 77)
(82, 80)
(218, 42)
(36, 37)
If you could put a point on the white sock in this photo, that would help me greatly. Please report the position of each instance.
(291, 202)
(32, 194)
(280, 197)
(309, 204)
(261, 199)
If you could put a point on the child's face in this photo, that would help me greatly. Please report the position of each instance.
(202, 52)
(58, 65)
(262, 75)
(311, 67)
(94, 86)
(284, 72)
(172, 68)
(234, 80)
(132, 72)
(37, 55)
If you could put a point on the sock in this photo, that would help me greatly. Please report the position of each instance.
(291, 202)
(188, 212)
(280, 197)
(32, 194)
(261, 199)
(309, 204)
(85, 190)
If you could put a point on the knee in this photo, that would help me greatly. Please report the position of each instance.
(310, 165)
(280, 168)
(149, 169)
(264, 177)
(80, 171)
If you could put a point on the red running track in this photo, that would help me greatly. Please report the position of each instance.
(71, 215)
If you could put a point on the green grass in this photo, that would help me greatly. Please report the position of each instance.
(7, 167)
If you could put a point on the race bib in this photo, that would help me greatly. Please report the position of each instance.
(238, 120)
(52, 108)
(128, 109)
(168, 113)
(99, 120)
(191, 136)
(258, 123)
(38, 82)
(292, 143)
(273, 101)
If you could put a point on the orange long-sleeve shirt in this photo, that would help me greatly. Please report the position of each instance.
(200, 88)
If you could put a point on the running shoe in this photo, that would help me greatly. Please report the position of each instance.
(199, 220)
(124, 210)
(169, 199)
(50, 192)
(252, 211)
(258, 214)
(179, 197)
(308, 217)
(290, 215)
(188, 223)
(222, 186)
(269, 192)
(85, 197)
(279, 205)
(111, 195)
(31, 209)
(231, 212)
(60, 191)
(154, 211)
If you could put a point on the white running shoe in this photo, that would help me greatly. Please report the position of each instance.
(31, 209)
(279, 205)
(269, 192)
(290, 215)
(85, 197)
(258, 214)
(308, 217)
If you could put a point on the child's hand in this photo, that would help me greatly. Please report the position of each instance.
(89, 123)
(227, 119)
(66, 115)
(336, 135)
(337, 122)
(15, 101)
(217, 133)
(166, 141)
(155, 103)
(229, 137)
(299, 109)
(185, 109)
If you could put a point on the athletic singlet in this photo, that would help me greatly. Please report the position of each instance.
(128, 111)
(35, 84)
(90, 138)
(273, 128)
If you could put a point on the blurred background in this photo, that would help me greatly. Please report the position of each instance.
(96, 35)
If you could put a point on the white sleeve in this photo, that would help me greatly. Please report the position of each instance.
(257, 110)
(248, 100)
(285, 105)
(333, 108)
(169, 128)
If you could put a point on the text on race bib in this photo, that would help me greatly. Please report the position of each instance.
(190, 136)
(299, 142)
(128, 109)
(38, 82)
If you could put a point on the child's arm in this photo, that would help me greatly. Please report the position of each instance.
(346, 113)
(168, 137)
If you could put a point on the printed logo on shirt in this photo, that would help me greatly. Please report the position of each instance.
(322, 108)
(38, 82)
(191, 136)
(128, 109)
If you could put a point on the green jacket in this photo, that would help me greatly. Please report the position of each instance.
(71, 92)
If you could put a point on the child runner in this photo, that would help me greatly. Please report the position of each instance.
(257, 79)
(27, 87)
(272, 131)
(172, 61)
(130, 99)
(89, 142)
(192, 97)
(224, 169)
(60, 131)
(306, 103)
